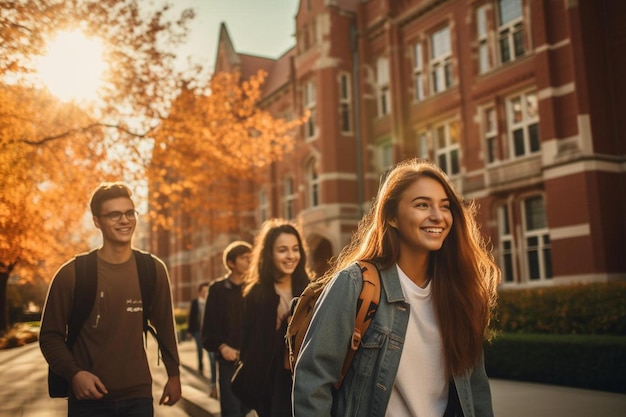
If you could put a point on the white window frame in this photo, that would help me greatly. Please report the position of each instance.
(314, 184)
(345, 103)
(309, 100)
(542, 248)
(447, 146)
(441, 60)
(385, 154)
(490, 133)
(506, 245)
(510, 31)
(482, 32)
(382, 83)
(422, 145)
(263, 209)
(289, 198)
(418, 71)
(523, 118)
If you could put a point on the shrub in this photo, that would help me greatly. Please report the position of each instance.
(583, 361)
(598, 308)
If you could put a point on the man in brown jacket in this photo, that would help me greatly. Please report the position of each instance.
(107, 366)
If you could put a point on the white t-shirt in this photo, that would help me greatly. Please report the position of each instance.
(420, 388)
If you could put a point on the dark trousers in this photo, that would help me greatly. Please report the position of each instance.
(197, 336)
(138, 407)
(230, 404)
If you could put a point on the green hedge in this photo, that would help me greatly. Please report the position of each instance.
(583, 361)
(571, 335)
(598, 308)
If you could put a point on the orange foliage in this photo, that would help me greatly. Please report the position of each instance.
(45, 183)
(53, 155)
(210, 151)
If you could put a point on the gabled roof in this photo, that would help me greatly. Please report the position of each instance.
(280, 73)
(278, 70)
(226, 51)
(250, 64)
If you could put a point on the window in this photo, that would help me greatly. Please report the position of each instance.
(537, 239)
(385, 154)
(289, 199)
(309, 99)
(441, 60)
(314, 185)
(422, 145)
(263, 206)
(523, 125)
(490, 127)
(447, 147)
(345, 103)
(307, 37)
(382, 80)
(418, 70)
(510, 30)
(505, 245)
(483, 45)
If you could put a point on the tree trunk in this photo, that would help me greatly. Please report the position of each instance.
(5, 272)
(4, 311)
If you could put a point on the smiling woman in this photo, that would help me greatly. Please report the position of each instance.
(72, 69)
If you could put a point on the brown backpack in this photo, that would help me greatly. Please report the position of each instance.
(303, 313)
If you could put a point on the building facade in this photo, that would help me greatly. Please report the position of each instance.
(521, 102)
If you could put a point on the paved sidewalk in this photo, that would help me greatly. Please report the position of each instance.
(510, 398)
(523, 399)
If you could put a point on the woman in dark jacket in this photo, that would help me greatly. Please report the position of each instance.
(278, 273)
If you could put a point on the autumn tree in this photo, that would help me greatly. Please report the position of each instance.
(210, 151)
(53, 154)
(46, 176)
(213, 138)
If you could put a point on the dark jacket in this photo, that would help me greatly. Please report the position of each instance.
(223, 315)
(193, 322)
(263, 346)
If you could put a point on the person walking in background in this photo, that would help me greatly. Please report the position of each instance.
(194, 330)
(221, 329)
(107, 366)
(278, 274)
(422, 354)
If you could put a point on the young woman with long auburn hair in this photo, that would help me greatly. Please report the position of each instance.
(422, 354)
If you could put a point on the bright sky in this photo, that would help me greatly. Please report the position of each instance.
(258, 27)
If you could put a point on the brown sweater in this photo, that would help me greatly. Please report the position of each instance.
(110, 343)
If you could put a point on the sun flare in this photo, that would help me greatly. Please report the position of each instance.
(73, 66)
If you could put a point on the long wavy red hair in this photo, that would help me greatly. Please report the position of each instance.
(464, 274)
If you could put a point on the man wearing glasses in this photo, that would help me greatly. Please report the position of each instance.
(107, 365)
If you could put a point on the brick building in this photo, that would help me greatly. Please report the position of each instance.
(520, 101)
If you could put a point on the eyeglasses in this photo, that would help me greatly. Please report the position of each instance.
(116, 216)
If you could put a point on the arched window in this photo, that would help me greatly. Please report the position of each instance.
(314, 184)
(289, 198)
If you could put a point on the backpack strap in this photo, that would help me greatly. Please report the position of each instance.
(147, 282)
(85, 289)
(146, 269)
(366, 308)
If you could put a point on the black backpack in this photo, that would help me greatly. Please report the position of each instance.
(84, 299)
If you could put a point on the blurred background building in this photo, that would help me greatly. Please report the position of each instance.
(521, 102)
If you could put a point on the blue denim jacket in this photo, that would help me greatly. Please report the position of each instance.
(367, 386)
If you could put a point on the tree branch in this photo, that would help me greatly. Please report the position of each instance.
(83, 129)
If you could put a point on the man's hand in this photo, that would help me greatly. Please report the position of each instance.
(171, 392)
(87, 386)
(229, 353)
